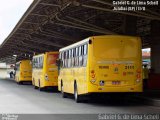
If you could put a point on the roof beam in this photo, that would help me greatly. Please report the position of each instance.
(39, 40)
(57, 35)
(34, 46)
(39, 15)
(90, 25)
(31, 23)
(83, 27)
(121, 12)
(48, 4)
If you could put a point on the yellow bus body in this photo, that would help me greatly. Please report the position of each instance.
(113, 64)
(45, 73)
(24, 71)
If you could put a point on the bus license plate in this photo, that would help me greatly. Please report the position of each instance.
(116, 82)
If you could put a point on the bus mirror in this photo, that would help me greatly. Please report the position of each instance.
(90, 41)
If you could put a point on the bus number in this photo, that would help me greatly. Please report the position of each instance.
(129, 67)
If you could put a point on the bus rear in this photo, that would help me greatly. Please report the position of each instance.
(51, 69)
(24, 71)
(115, 64)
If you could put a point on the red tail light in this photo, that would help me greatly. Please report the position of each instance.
(138, 75)
(93, 74)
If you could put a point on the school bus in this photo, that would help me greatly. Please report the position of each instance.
(101, 64)
(23, 71)
(45, 71)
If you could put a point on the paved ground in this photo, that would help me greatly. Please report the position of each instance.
(24, 99)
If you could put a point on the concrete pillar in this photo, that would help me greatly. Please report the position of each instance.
(155, 46)
(130, 23)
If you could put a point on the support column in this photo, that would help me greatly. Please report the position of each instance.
(154, 78)
(155, 46)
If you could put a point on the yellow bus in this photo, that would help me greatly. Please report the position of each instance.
(23, 71)
(101, 64)
(45, 71)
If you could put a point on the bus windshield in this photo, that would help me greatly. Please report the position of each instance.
(51, 59)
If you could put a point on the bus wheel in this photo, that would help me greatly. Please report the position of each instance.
(76, 96)
(40, 89)
(62, 91)
(33, 82)
(35, 87)
(20, 82)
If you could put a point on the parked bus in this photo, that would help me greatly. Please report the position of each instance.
(101, 64)
(45, 71)
(23, 71)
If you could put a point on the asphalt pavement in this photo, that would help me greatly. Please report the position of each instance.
(24, 99)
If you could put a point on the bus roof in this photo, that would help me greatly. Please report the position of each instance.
(87, 39)
(75, 44)
(45, 53)
(22, 61)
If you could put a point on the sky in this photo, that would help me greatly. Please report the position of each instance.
(10, 13)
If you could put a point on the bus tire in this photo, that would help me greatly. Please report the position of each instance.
(35, 87)
(40, 89)
(64, 95)
(20, 82)
(76, 96)
(33, 83)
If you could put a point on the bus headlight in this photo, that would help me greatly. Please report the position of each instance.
(46, 77)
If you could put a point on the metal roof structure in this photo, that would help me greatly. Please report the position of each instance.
(49, 25)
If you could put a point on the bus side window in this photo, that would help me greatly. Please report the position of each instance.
(76, 57)
(82, 62)
(64, 59)
(69, 59)
(79, 51)
(41, 62)
(72, 59)
(85, 55)
(82, 50)
(38, 62)
(85, 49)
(81, 54)
(35, 62)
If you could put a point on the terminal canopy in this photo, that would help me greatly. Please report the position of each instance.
(49, 25)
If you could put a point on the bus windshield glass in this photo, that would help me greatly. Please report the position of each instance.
(51, 59)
